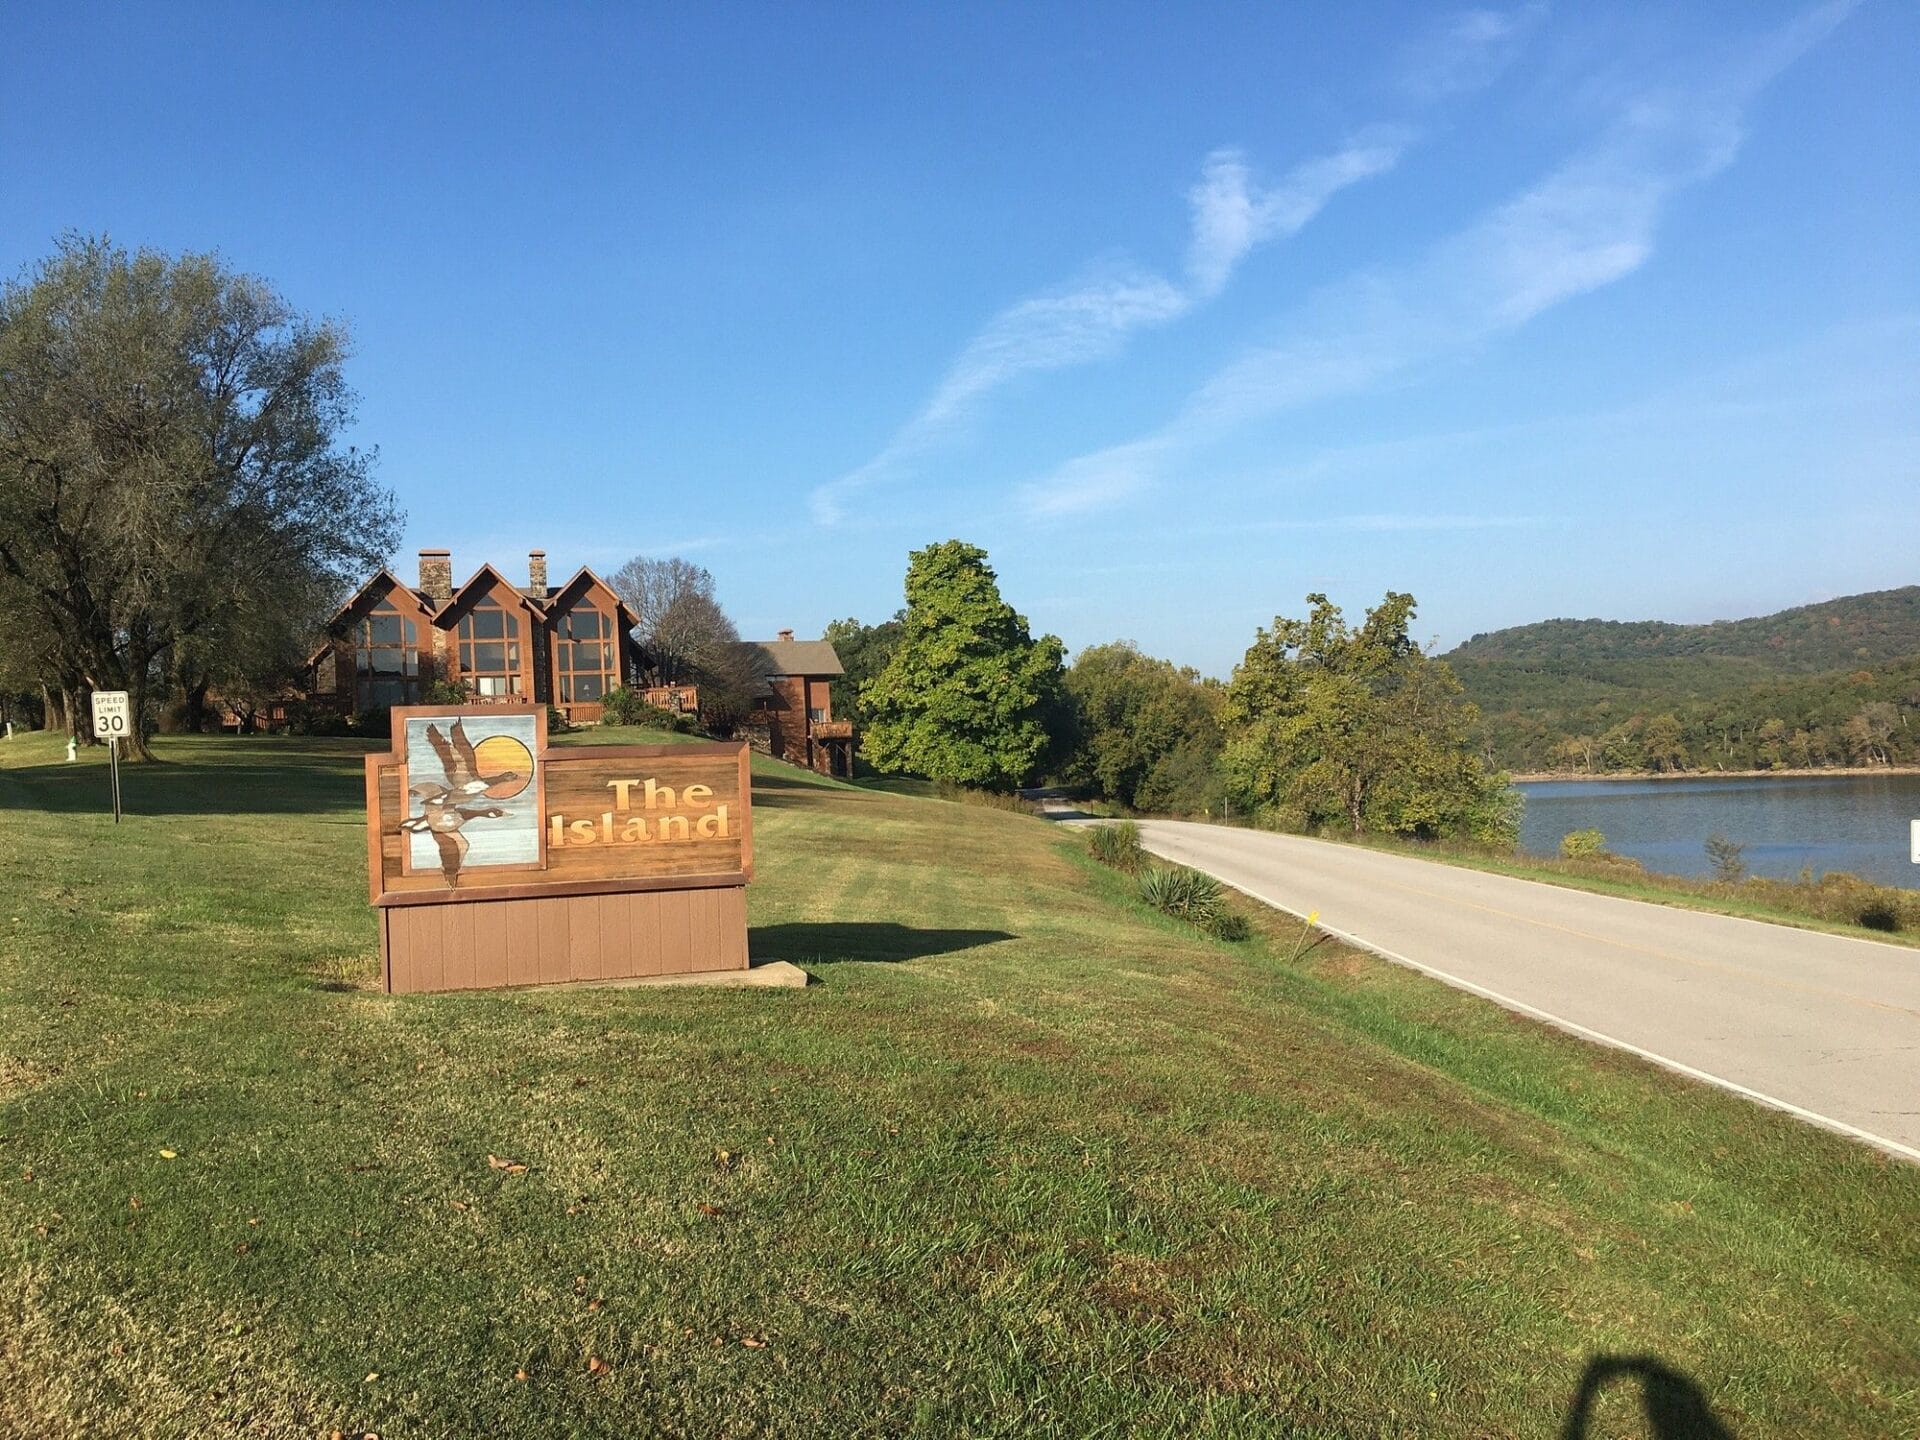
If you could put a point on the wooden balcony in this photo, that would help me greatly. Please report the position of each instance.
(831, 729)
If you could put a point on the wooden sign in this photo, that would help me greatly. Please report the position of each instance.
(496, 861)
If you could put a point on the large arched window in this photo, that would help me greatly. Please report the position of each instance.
(386, 658)
(584, 656)
(489, 652)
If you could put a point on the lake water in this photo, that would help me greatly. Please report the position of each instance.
(1841, 822)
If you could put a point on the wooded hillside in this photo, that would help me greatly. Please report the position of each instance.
(1836, 683)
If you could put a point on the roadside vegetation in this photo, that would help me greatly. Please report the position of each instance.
(1834, 900)
(1032, 1158)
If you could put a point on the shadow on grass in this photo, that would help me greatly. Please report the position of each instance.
(1676, 1408)
(879, 940)
(288, 782)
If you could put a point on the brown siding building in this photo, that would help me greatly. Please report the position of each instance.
(794, 720)
(564, 646)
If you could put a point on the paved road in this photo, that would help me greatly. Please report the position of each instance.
(1820, 1024)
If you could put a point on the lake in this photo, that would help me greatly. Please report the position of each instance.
(1841, 822)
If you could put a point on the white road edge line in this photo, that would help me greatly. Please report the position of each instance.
(1812, 1117)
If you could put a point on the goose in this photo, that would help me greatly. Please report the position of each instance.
(457, 759)
(441, 818)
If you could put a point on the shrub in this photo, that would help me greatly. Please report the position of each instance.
(1583, 845)
(1182, 893)
(621, 706)
(306, 718)
(1727, 859)
(1117, 845)
(1231, 925)
(446, 692)
(377, 722)
(557, 722)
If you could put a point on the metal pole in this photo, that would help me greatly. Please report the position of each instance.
(113, 759)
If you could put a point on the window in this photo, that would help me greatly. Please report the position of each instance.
(583, 656)
(816, 715)
(386, 658)
(489, 652)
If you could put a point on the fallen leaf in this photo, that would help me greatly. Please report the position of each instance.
(253, 1220)
(594, 1304)
(722, 1158)
(597, 1366)
(519, 1374)
(753, 1342)
(168, 1155)
(372, 1375)
(512, 1167)
(133, 1202)
(458, 1204)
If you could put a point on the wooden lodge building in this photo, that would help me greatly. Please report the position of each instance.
(564, 646)
(794, 720)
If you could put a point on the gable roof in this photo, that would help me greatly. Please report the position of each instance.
(465, 595)
(426, 607)
(799, 657)
(558, 595)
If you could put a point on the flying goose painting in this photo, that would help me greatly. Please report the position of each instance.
(469, 790)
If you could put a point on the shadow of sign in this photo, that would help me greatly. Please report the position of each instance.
(1675, 1407)
(882, 940)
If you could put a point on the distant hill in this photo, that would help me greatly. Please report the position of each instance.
(1832, 635)
(1583, 695)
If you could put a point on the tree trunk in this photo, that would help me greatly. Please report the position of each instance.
(53, 708)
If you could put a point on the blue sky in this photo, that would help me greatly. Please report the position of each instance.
(1180, 311)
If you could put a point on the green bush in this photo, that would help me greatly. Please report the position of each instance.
(557, 722)
(1582, 845)
(446, 692)
(621, 706)
(1117, 845)
(1231, 925)
(1182, 893)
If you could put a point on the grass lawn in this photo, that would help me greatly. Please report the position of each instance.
(1028, 1160)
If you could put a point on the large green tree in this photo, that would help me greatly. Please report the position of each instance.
(171, 463)
(1148, 731)
(967, 693)
(1335, 725)
(864, 651)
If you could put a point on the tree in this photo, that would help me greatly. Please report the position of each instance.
(1663, 744)
(1358, 728)
(864, 651)
(1147, 731)
(170, 458)
(649, 586)
(1728, 858)
(967, 693)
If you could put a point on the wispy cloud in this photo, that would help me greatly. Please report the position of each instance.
(1587, 225)
(1467, 50)
(1092, 318)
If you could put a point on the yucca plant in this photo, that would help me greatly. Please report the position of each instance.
(1117, 845)
(1183, 893)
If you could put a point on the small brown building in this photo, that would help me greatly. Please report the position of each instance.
(794, 720)
(564, 645)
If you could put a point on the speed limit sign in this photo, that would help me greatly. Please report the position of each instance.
(112, 717)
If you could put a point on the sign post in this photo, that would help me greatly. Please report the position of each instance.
(111, 716)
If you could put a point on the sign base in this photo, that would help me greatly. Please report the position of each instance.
(562, 939)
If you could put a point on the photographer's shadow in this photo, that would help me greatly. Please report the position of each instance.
(1676, 1408)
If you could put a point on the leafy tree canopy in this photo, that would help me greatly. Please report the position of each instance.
(967, 694)
(1331, 724)
(171, 464)
(1147, 731)
(864, 651)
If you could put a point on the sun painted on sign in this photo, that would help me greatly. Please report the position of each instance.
(471, 801)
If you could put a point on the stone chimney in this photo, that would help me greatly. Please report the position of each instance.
(787, 635)
(436, 576)
(537, 573)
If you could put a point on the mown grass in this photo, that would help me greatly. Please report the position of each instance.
(1031, 1159)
